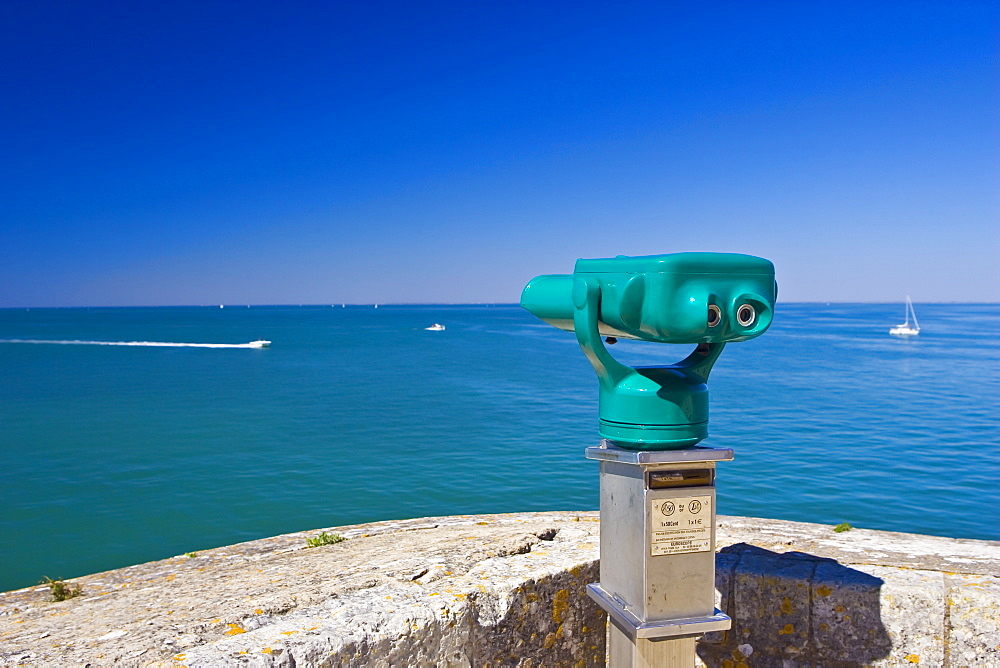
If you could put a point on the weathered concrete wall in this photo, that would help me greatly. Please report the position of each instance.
(507, 590)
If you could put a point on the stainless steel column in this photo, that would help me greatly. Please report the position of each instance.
(657, 552)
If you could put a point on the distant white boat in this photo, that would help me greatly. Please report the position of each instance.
(259, 343)
(906, 329)
(436, 327)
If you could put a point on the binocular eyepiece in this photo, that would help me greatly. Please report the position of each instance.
(708, 299)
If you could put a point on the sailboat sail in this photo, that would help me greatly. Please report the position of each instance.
(906, 329)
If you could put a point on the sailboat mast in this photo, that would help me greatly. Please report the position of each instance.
(909, 306)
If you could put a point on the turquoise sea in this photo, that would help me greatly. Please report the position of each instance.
(113, 455)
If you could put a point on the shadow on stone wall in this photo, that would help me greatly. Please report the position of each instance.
(794, 607)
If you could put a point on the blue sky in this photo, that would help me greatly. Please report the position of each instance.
(323, 152)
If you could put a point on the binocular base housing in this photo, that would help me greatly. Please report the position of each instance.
(653, 437)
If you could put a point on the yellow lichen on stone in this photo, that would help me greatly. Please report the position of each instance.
(266, 650)
(787, 630)
(288, 633)
(258, 611)
(234, 630)
(560, 605)
(839, 609)
(550, 640)
(913, 658)
(823, 590)
(787, 607)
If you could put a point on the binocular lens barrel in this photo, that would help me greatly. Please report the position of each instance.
(746, 315)
(714, 315)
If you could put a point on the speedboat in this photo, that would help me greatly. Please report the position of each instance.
(259, 343)
(436, 327)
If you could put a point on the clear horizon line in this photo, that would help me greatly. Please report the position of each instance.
(390, 304)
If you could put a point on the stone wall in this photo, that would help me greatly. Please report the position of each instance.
(508, 590)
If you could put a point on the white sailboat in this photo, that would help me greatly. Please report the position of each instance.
(906, 329)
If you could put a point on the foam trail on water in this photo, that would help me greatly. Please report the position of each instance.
(158, 344)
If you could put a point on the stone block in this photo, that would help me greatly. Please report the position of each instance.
(973, 633)
(771, 604)
(912, 610)
(847, 615)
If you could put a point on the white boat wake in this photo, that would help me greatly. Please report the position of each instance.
(158, 344)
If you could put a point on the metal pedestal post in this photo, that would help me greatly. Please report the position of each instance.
(646, 653)
(657, 552)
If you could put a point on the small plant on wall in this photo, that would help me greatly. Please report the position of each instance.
(324, 539)
(61, 590)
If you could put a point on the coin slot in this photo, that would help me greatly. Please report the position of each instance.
(680, 478)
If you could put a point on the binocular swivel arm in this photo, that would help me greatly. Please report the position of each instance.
(586, 316)
(663, 406)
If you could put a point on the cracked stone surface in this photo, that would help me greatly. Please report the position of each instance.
(508, 590)
(436, 591)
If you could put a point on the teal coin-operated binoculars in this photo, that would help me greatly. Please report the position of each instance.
(657, 485)
(708, 299)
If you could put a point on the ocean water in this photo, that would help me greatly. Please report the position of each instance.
(113, 455)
